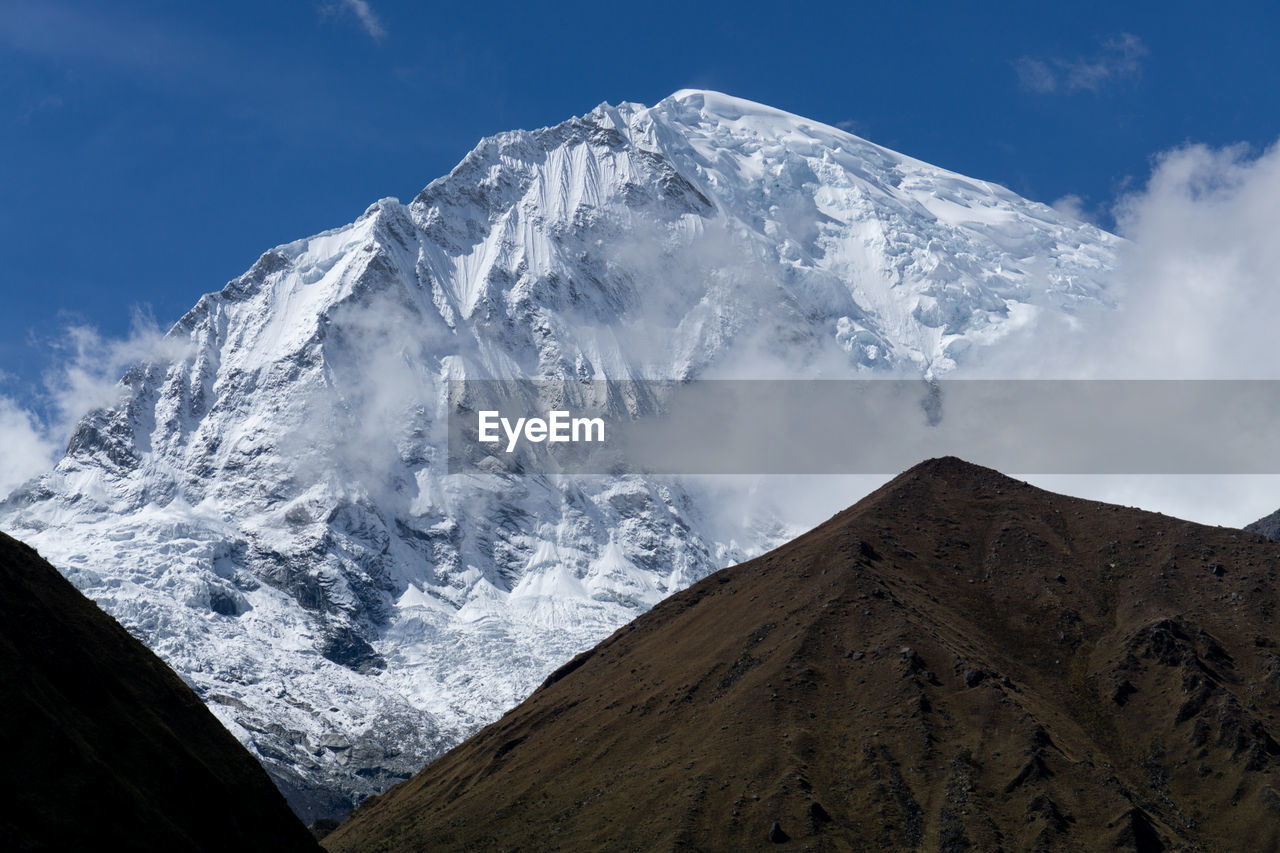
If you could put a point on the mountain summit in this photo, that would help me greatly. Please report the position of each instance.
(267, 505)
(958, 662)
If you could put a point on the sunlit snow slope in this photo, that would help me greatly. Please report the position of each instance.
(267, 505)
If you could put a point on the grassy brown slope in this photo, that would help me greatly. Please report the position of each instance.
(105, 748)
(958, 662)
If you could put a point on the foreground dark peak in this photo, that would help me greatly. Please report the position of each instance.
(960, 661)
(952, 467)
(945, 475)
(105, 747)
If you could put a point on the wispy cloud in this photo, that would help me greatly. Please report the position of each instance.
(363, 13)
(89, 367)
(1119, 60)
(1072, 205)
(85, 377)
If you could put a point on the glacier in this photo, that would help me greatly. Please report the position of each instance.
(267, 504)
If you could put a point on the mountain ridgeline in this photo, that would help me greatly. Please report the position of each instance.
(958, 662)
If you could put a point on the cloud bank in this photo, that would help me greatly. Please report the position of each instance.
(1196, 289)
(1200, 278)
(26, 448)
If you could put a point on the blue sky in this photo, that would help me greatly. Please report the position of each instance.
(152, 150)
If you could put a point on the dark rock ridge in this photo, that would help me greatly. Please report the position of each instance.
(1268, 526)
(105, 747)
(959, 662)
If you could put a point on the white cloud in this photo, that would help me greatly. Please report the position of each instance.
(1071, 205)
(1230, 500)
(86, 376)
(1119, 60)
(25, 446)
(363, 13)
(1035, 75)
(803, 502)
(89, 368)
(1195, 290)
(1198, 280)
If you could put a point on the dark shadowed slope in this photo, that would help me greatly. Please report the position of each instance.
(104, 746)
(958, 662)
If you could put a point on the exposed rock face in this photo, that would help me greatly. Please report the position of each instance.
(268, 505)
(958, 662)
(105, 747)
(1268, 526)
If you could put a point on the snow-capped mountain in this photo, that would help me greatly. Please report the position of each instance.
(268, 506)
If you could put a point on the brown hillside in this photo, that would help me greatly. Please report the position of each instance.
(105, 748)
(959, 662)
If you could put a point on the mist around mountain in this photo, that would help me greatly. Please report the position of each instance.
(105, 747)
(960, 661)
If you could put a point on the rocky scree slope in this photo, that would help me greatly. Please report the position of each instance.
(959, 661)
